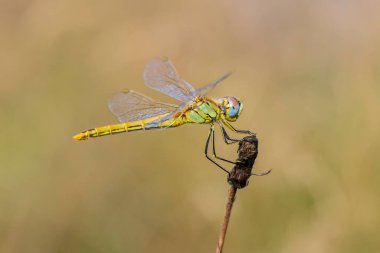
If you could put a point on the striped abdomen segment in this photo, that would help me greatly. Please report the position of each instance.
(124, 127)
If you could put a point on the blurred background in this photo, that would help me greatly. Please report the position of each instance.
(307, 72)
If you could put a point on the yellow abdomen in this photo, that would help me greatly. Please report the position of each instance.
(138, 125)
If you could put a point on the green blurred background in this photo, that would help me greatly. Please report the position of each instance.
(307, 71)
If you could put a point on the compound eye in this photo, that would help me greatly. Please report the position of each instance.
(234, 107)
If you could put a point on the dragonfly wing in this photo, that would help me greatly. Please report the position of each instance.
(131, 106)
(160, 74)
(203, 90)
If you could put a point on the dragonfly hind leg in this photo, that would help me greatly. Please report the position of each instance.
(214, 149)
(211, 134)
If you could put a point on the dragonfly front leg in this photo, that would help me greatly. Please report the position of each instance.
(206, 150)
(227, 138)
(242, 131)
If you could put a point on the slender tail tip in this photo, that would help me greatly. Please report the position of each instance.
(80, 136)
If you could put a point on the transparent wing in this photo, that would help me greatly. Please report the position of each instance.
(131, 106)
(160, 74)
(203, 90)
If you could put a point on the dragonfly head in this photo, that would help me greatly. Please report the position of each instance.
(231, 108)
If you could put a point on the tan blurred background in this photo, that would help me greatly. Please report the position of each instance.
(308, 73)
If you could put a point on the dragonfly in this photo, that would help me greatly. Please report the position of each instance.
(137, 112)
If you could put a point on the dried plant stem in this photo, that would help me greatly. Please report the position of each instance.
(238, 178)
(227, 214)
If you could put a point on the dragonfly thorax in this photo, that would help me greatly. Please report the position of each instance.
(231, 107)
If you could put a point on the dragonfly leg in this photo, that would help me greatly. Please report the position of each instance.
(237, 130)
(214, 149)
(242, 131)
(226, 137)
(206, 151)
